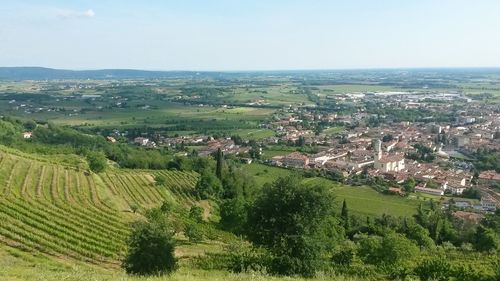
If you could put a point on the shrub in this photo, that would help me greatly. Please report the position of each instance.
(438, 269)
(97, 161)
(193, 233)
(150, 250)
(196, 213)
(345, 255)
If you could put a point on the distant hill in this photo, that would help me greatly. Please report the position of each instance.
(42, 73)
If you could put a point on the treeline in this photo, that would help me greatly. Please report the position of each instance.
(54, 139)
(487, 159)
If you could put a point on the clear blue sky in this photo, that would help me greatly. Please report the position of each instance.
(249, 35)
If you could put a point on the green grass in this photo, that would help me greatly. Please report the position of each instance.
(270, 153)
(265, 174)
(333, 131)
(253, 134)
(361, 200)
(167, 113)
(16, 265)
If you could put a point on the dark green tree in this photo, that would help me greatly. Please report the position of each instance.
(208, 185)
(97, 161)
(344, 215)
(193, 233)
(150, 249)
(160, 180)
(296, 223)
(233, 215)
(218, 168)
(485, 239)
(196, 213)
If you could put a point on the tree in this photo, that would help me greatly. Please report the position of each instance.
(391, 249)
(485, 239)
(160, 180)
(296, 223)
(344, 215)
(193, 233)
(30, 125)
(208, 185)
(409, 185)
(97, 161)
(150, 249)
(233, 215)
(134, 207)
(419, 234)
(387, 138)
(218, 168)
(196, 213)
(397, 249)
(301, 141)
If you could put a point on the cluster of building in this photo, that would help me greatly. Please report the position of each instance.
(361, 149)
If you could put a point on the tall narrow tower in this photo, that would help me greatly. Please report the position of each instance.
(377, 146)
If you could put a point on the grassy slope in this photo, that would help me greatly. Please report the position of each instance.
(361, 200)
(16, 265)
(61, 211)
(58, 222)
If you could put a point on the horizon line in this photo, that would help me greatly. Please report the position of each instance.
(269, 70)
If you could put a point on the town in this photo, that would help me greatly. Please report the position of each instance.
(435, 156)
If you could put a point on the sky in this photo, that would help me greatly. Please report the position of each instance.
(249, 35)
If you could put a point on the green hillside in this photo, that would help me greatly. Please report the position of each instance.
(65, 211)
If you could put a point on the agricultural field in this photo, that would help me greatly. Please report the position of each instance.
(63, 211)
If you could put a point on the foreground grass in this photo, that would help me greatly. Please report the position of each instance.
(16, 265)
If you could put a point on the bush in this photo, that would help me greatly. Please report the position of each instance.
(97, 161)
(150, 250)
(160, 180)
(193, 233)
(438, 269)
(345, 255)
(233, 215)
(196, 213)
(254, 260)
(397, 249)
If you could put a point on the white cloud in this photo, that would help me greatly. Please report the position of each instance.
(71, 14)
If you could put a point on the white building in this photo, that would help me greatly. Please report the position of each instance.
(392, 163)
(141, 141)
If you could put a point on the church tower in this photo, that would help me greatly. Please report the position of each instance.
(377, 147)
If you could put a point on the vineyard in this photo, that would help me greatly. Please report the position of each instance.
(65, 211)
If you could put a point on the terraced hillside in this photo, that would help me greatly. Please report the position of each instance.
(61, 210)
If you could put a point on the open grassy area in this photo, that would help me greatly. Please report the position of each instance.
(252, 134)
(16, 265)
(361, 200)
(167, 113)
(333, 131)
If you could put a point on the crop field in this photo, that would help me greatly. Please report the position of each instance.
(167, 114)
(62, 211)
